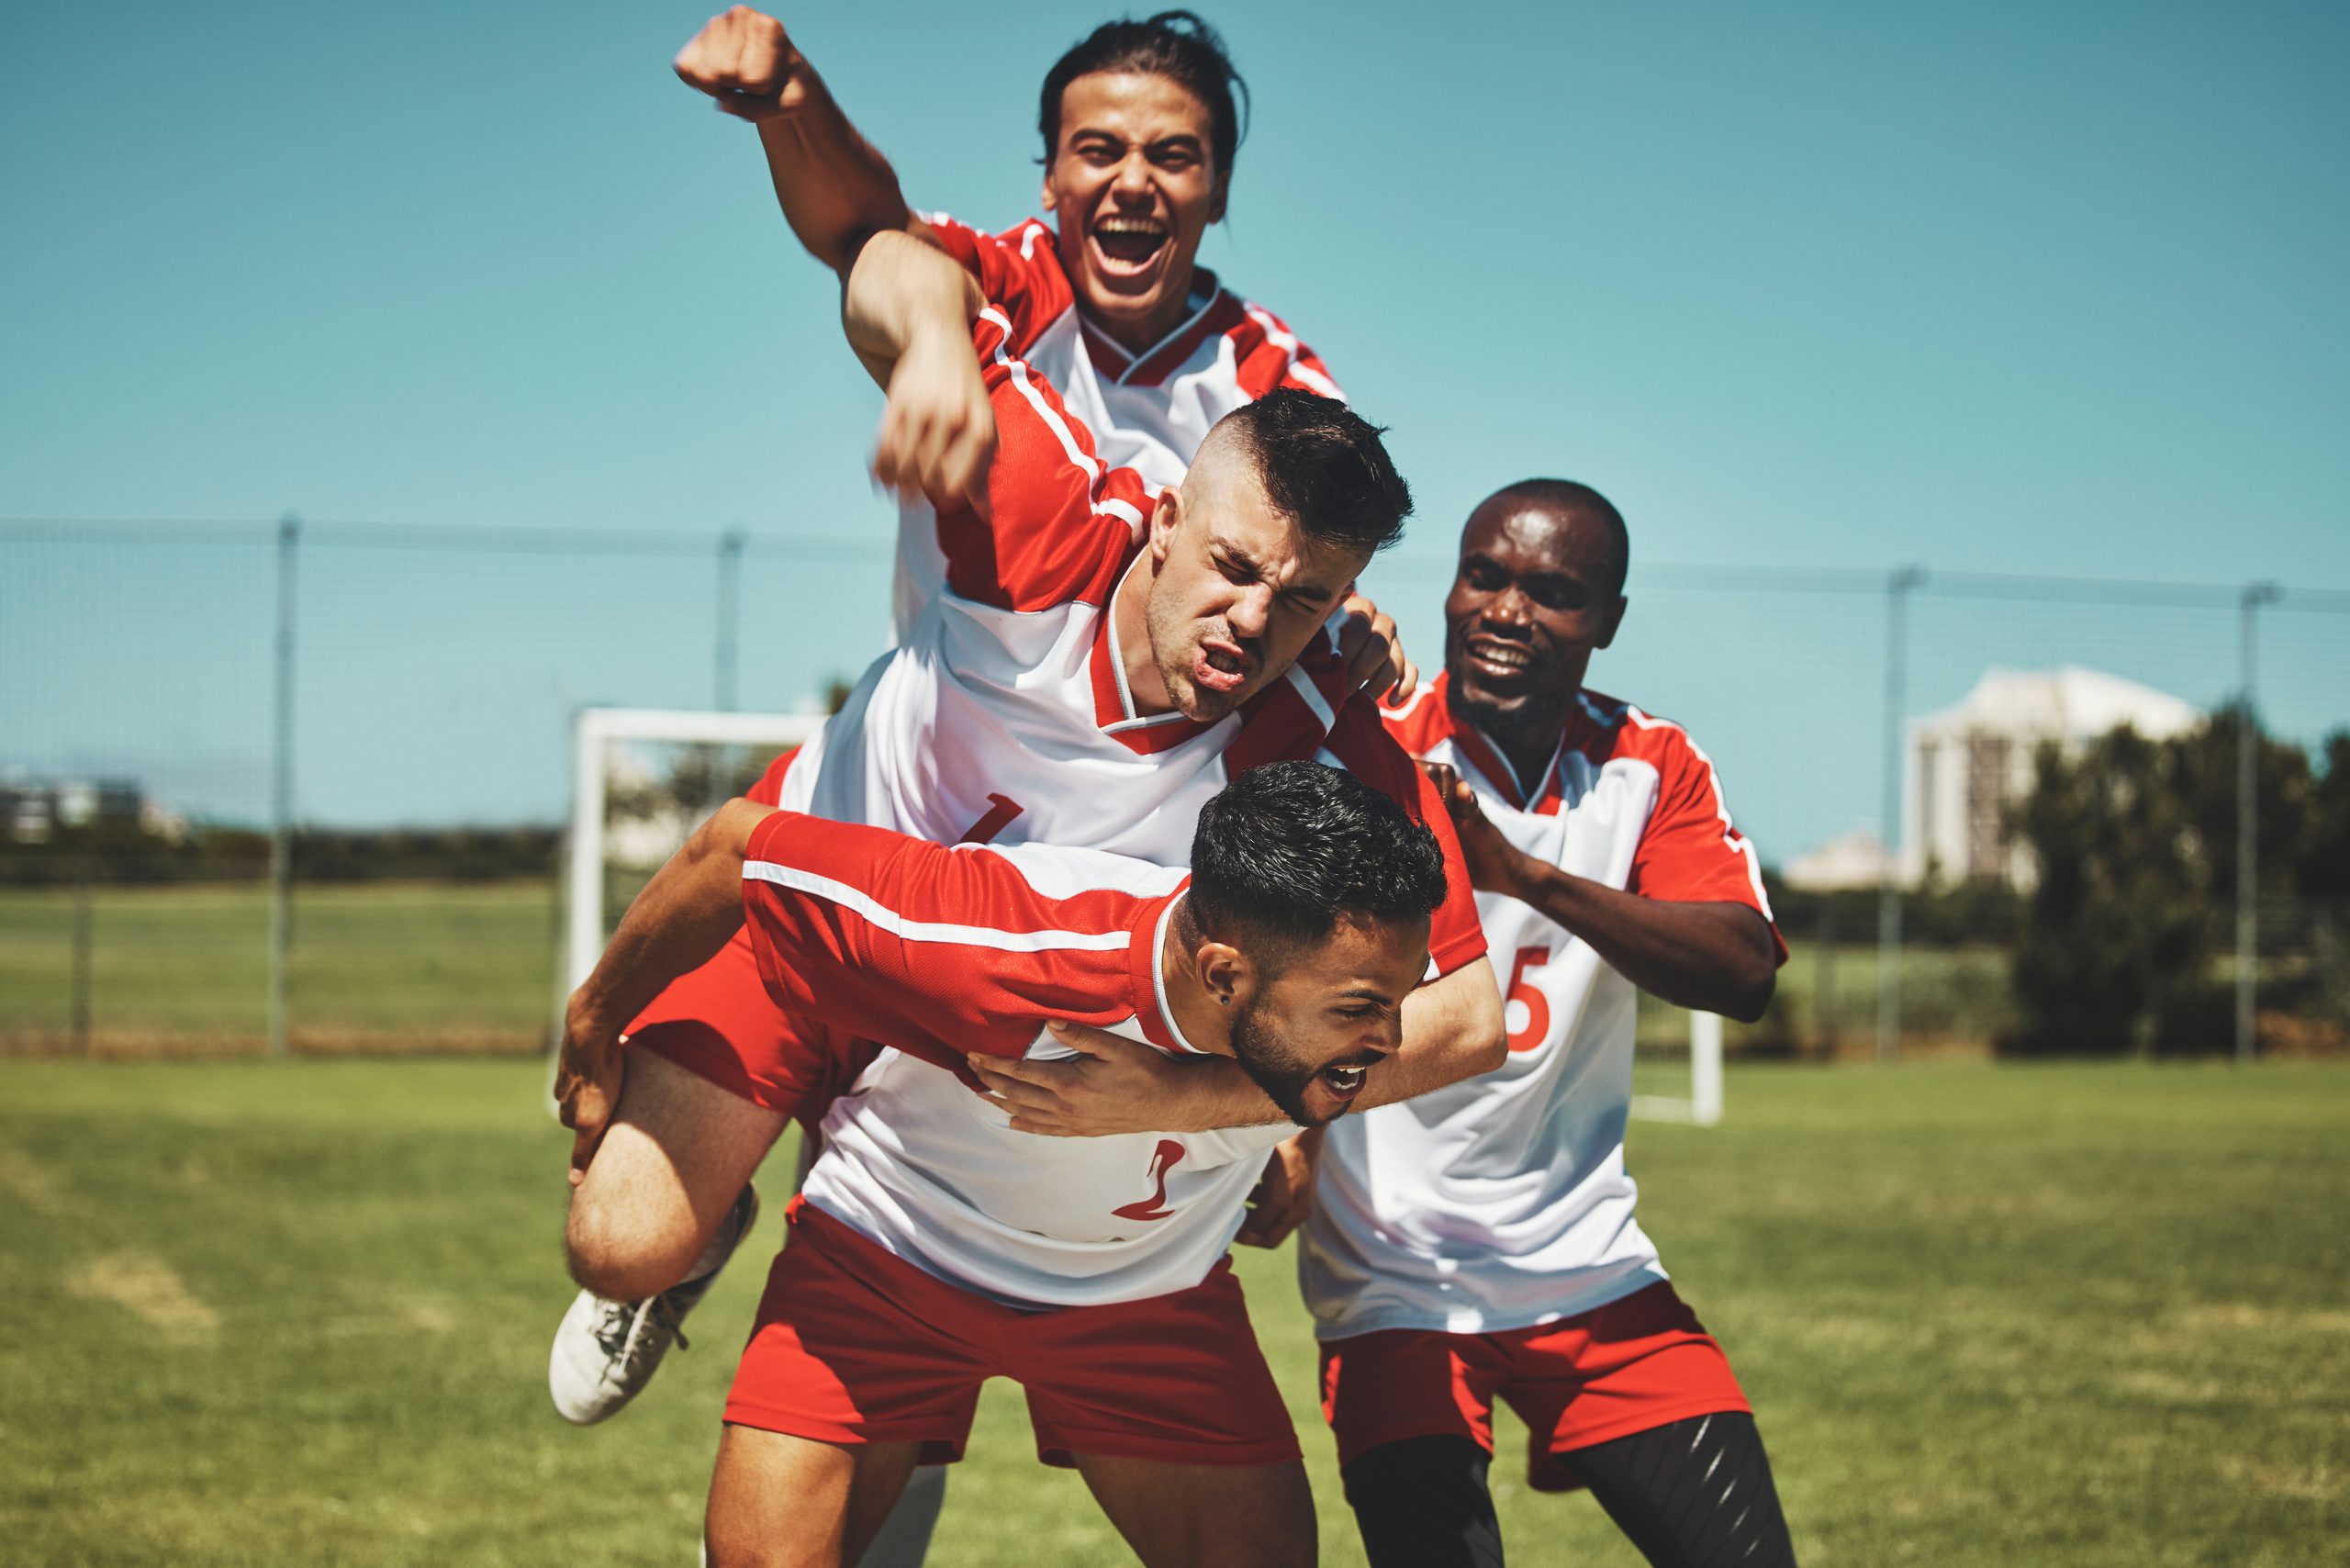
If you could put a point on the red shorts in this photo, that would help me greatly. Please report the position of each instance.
(1642, 1360)
(719, 1022)
(855, 1345)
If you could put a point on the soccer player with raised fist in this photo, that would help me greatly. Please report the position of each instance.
(1480, 1245)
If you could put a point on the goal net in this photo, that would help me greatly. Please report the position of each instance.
(642, 779)
(1678, 1065)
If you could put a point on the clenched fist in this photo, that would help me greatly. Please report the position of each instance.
(745, 61)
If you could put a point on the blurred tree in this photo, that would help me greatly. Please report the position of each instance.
(2113, 953)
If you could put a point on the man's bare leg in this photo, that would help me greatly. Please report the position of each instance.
(678, 1153)
(1204, 1516)
(785, 1502)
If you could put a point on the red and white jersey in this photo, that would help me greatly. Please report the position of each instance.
(937, 953)
(1502, 1202)
(1148, 411)
(1003, 717)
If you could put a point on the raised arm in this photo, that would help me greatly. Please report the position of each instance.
(834, 187)
(683, 917)
(908, 310)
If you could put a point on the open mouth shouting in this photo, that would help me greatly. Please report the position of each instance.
(1128, 247)
(1344, 1083)
(1221, 666)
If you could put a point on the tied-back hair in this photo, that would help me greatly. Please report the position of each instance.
(1288, 850)
(1323, 467)
(1177, 44)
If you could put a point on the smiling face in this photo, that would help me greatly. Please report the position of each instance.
(1237, 591)
(1312, 1033)
(1537, 592)
(1131, 185)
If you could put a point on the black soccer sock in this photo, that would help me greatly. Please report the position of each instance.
(1422, 1503)
(1696, 1494)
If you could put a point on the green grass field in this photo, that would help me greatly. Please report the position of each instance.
(436, 967)
(298, 1314)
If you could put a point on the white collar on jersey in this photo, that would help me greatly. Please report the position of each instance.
(1159, 975)
(1118, 664)
(1202, 304)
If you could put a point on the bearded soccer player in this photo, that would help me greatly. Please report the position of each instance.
(1096, 661)
(1479, 1244)
(1289, 949)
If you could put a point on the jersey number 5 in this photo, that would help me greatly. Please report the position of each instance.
(1523, 993)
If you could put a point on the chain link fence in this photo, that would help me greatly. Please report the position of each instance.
(299, 786)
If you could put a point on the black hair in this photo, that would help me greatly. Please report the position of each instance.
(1323, 467)
(1174, 44)
(1288, 850)
(1567, 499)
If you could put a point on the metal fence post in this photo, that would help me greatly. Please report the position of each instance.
(85, 921)
(1897, 589)
(730, 616)
(281, 839)
(2248, 821)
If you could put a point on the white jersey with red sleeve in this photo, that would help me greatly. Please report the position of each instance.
(937, 953)
(1503, 1201)
(1003, 718)
(1148, 411)
(1003, 714)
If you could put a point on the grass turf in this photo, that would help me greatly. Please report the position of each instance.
(2049, 1315)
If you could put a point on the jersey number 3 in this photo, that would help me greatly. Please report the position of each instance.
(1524, 994)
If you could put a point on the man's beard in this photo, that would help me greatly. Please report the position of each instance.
(1283, 1079)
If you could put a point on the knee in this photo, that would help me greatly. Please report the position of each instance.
(621, 1253)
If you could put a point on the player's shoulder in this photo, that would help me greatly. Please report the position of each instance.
(1607, 728)
(1421, 723)
(1266, 352)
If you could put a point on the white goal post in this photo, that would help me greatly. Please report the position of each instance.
(1704, 1105)
(594, 732)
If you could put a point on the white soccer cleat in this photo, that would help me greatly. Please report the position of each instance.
(606, 1351)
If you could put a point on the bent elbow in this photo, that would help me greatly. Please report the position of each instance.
(1753, 998)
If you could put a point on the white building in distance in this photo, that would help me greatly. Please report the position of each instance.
(1963, 765)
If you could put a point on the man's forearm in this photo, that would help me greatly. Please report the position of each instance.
(902, 293)
(834, 187)
(1452, 1029)
(690, 910)
(1714, 957)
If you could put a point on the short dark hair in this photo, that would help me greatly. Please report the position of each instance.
(1288, 850)
(1323, 467)
(1174, 44)
(1569, 499)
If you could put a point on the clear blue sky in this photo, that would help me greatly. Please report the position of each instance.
(2005, 288)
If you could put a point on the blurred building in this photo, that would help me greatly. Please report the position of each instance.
(1855, 860)
(1964, 764)
(33, 809)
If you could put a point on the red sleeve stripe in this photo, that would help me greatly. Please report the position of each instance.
(1736, 841)
(875, 913)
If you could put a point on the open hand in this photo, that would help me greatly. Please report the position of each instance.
(1495, 863)
(1113, 1086)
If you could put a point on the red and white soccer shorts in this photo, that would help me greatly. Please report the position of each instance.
(1641, 1362)
(855, 1345)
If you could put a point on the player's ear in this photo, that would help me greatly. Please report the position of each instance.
(1615, 618)
(1163, 518)
(1225, 973)
(1223, 190)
